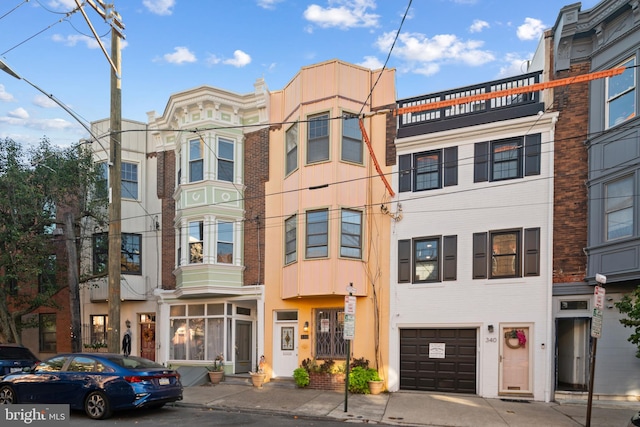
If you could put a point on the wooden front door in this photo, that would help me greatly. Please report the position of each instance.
(148, 341)
(515, 372)
(243, 347)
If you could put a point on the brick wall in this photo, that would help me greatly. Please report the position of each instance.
(571, 173)
(256, 161)
(165, 188)
(322, 381)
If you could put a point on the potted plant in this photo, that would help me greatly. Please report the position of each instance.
(363, 379)
(376, 384)
(216, 371)
(257, 377)
(301, 377)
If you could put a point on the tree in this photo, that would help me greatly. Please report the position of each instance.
(42, 189)
(630, 305)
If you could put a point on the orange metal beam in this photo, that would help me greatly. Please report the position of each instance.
(373, 156)
(507, 92)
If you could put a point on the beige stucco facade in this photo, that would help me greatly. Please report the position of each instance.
(308, 268)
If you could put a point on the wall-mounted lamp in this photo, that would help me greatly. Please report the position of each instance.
(306, 327)
(490, 328)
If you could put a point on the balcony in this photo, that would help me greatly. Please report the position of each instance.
(472, 113)
(132, 288)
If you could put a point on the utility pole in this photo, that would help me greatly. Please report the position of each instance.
(108, 13)
(115, 213)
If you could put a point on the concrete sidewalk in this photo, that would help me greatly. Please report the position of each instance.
(405, 408)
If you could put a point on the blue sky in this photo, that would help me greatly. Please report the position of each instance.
(174, 45)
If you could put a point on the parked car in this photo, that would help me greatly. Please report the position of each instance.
(97, 383)
(635, 420)
(14, 358)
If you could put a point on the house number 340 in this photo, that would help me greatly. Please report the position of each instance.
(491, 339)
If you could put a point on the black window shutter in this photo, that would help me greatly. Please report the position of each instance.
(404, 179)
(449, 256)
(450, 166)
(481, 162)
(532, 150)
(532, 252)
(479, 255)
(404, 261)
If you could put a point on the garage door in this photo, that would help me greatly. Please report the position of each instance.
(455, 372)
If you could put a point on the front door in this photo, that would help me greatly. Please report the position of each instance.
(148, 341)
(573, 353)
(285, 349)
(515, 375)
(243, 347)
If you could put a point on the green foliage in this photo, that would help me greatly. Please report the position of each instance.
(301, 377)
(630, 306)
(37, 186)
(328, 366)
(359, 378)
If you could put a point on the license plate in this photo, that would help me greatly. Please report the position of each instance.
(163, 381)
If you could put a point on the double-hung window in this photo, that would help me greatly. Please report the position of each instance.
(130, 255)
(224, 245)
(427, 259)
(196, 242)
(506, 253)
(292, 149)
(196, 160)
(428, 170)
(317, 234)
(47, 329)
(509, 158)
(131, 259)
(351, 234)
(291, 239)
(618, 208)
(318, 139)
(329, 336)
(99, 325)
(225, 160)
(621, 95)
(129, 180)
(351, 141)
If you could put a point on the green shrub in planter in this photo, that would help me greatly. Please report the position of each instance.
(359, 378)
(301, 377)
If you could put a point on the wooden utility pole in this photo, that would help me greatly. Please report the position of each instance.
(115, 214)
(107, 12)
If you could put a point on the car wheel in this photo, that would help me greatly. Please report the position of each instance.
(7, 395)
(96, 406)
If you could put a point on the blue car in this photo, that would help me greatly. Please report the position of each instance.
(14, 358)
(97, 383)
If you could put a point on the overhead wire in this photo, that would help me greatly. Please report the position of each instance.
(14, 9)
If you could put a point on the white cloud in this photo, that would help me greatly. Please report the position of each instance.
(212, 59)
(371, 62)
(478, 25)
(4, 95)
(514, 65)
(62, 4)
(19, 113)
(159, 7)
(343, 14)
(44, 101)
(531, 29)
(72, 40)
(180, 55)
(425, 55)
(268, 4)
(240, 59)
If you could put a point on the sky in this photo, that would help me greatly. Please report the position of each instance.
(175, 45)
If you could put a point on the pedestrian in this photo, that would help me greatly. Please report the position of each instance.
(126, 340)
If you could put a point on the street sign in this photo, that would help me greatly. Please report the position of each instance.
(598, 294)
(349, 326)
(596, 323)
(349, 304)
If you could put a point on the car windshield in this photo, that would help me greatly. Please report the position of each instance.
(15, 353)
(133, 362)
